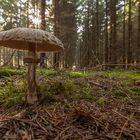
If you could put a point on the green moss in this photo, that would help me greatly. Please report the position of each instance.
(20, 86)
(78, 74)
(134, 91)
(7, 71)
(69, 87)
(119, 92)
(13, 113)
(2, 97)
(8, 89)
(13, 100)
(67, 90)
(128, 82)
(135, 75)
(126, 90)
(47, 72)
(57, 87)
(86, 93)
(102, 101)
(12, 93)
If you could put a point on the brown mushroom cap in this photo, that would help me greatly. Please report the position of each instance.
(21, 38)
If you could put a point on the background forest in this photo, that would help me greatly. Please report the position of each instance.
(94, 32)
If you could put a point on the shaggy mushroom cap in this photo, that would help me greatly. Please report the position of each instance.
(23, 38)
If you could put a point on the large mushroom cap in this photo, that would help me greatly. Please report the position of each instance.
(21, 38)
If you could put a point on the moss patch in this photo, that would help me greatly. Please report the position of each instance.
(7, 71)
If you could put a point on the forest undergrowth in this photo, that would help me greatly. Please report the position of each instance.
(100, 105)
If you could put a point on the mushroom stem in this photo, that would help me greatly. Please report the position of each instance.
(32, 86)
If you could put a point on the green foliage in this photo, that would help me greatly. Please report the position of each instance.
(123, 74)
(2, 97)
(119, 93)
(126, 90)
(71, 74)
(20, 86)
(17, 86)
(58, 89)
(7, 71)
(13, 100)
(134, 90)
(47, 72)
(13, 93)
(86, 93)
(75, 74)
(78, 74)
(13, 113)
(102, 101)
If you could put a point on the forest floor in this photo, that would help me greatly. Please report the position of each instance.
(99, 105)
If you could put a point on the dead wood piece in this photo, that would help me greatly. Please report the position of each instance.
(97, 84)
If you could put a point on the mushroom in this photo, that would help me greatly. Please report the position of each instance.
(33, 40)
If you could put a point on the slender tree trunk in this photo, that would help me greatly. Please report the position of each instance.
(129, 49)
(113, 35)
(27, 12)
(18, 16)
(124, 37)
(56, 58)
(88, 35)
(93, 43)
(33, 5)
(106, 34)
(97, 30)
(138, 46)
(43, 27)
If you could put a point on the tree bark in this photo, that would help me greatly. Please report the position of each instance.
(56, 58)
(138, 46)
(129, 49)
(113, 35)
(106, 33)
(43, 27)
(27, 12)
(124, 54)
(97, 30)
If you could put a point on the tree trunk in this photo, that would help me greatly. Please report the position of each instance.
(124, 54)
(97, 30)
(129, 49)
(43, 27)
(56, 58)
(27, 12)
(33, 14)
(106, 34)
(113, 34)
(138, 46)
